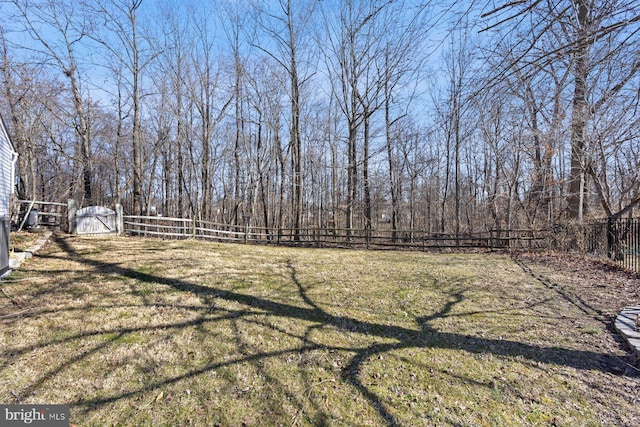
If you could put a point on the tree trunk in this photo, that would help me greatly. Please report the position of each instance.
(136, 139)
(579, 114)
(395, 208)
(351, 175)
(365, 177)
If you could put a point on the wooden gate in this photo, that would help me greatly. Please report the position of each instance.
(96, 220)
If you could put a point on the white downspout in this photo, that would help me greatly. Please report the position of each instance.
(14, 160)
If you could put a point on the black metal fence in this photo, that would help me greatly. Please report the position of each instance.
(615, 239)
(623, 242)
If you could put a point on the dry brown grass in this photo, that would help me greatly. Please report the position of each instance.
(23, 240)
(148, 332)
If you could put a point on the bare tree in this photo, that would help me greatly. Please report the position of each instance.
(16, 90)
(589, 36)
(286, 24)
(120, 36)
(454, 117)
(59, 28)
(210, 101)
(174, 67)
(347, 55)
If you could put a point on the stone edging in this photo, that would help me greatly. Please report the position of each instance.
(19, 257)
(626, 326)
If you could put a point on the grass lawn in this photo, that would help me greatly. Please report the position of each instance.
(22, 240)
(141, 332)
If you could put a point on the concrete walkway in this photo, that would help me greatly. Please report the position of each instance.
(18, 258)
(627, 325)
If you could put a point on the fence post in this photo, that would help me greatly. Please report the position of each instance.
(119, 219)
(610, 250)
(72, 210)
(615, 238)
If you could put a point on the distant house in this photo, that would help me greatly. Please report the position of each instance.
(8, 159)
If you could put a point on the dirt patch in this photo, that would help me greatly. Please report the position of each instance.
(601, 287)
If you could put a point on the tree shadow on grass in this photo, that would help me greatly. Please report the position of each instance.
(425, 336)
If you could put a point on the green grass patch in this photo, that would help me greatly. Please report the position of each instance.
(149, 332)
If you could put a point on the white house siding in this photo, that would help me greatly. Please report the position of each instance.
(6, 171)
(7, 165)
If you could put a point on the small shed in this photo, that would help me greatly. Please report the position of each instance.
(8, 158)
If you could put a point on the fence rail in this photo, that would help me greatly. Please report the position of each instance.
(615, 239)
(179, 228)
(51, 214)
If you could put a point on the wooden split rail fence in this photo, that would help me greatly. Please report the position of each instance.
(616, 239)
(50, 214)
(179, 228)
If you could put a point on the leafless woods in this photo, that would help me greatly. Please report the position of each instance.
(346, 114)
